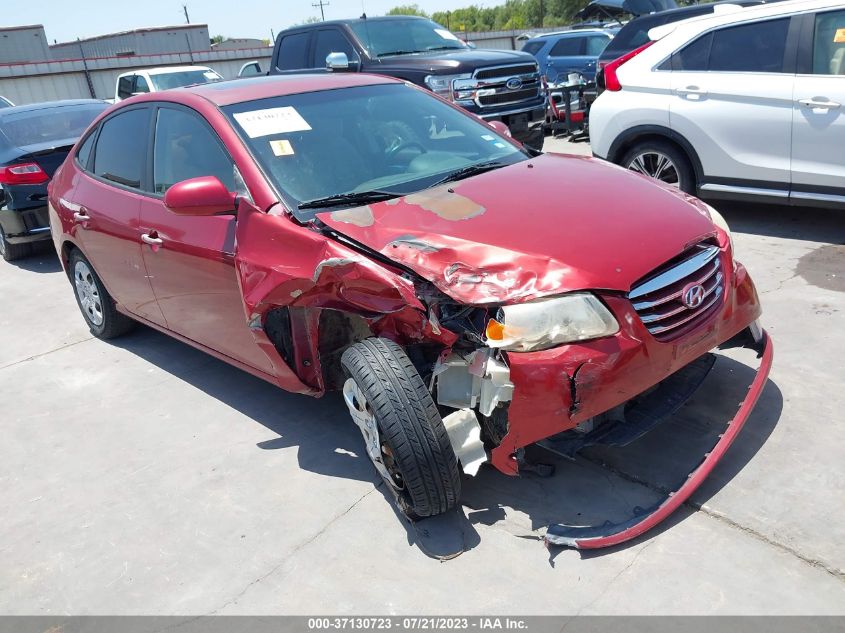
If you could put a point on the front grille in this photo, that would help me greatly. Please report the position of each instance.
(658, 299)
(505, 71)
(508, 97)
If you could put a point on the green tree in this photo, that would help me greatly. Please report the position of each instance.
(217, 39)
(408, 9)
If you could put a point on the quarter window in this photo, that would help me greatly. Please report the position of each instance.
(122, 148)
(829, 44)
(596, 44)
(186, 148)
(84, 151)
(293, 52)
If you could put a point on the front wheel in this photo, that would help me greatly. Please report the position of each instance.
(402, 428)
(661, 161)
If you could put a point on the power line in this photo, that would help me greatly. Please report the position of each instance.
(321, 4)
(187, 18)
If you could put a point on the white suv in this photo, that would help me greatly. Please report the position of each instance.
(744, 103)
(163, 78)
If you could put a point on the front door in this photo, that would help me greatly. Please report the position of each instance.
(818, 115)
(190, 260)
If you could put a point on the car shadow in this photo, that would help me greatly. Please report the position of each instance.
(782, 221)
(602, 484)
(43, 259)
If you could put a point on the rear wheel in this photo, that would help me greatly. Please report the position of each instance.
(94, 301)
(661, 161)
(403, 432)
(11, 252)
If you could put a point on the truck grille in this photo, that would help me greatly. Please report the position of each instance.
(660, 299)
(508, 97)
(505, 71)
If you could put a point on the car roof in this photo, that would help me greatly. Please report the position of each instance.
(49, 105)
(161, 70)
(570, 32)
(742, 14)
(383, 18)
(223, 93)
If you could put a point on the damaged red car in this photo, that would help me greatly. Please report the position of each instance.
(356, 233)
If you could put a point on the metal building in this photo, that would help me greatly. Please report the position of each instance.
(184, 38)
(23, 44)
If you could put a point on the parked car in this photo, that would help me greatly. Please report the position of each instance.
(146, 80)
(34, 140)
(251, 69)
(747, 104)
(5, 103)
(635, 32)
(495, 85)
(569, 51)
(325, 233)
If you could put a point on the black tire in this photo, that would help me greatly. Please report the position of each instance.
(409, 424)
(11, 252)
(681, 162)
(535, 139)
(113, 323)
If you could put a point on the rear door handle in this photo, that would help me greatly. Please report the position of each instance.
(812, 103)
(152, 239)
(691, 90)
(81, 215)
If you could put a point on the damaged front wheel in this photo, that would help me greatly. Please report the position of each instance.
(402, 428)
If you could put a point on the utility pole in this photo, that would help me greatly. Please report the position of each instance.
(187, 17)
(321, 4)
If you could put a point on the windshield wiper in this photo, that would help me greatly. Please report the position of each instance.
(390, 53)
(445, 48)
(470, 170)
(351, 198)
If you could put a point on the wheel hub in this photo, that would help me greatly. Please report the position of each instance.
(656, 165)
(88, 293)
(363, 416)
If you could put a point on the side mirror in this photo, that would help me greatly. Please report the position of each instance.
(337, 62)
(472, 45)
(501, 128)
(205, 195)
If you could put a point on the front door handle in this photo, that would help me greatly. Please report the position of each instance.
(812, 103)
(152, 239)
(81, 215)
(691, 90)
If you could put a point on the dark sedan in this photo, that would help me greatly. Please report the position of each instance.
(34, 140)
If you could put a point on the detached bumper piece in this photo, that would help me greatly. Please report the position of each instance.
(609, 534)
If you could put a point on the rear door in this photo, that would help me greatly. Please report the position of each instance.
(191, 259)
(818, 115)
(732, 100)
(107, 204)
(292, 54)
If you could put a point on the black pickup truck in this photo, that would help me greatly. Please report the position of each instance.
(495, 85)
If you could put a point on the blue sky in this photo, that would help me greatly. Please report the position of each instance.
(65, 20)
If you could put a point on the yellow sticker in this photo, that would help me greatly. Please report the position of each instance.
(839, 36)
(282, 148)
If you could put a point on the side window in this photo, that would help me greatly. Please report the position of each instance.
(757, 47)
(693, 56)
(124, 87)
(122, 148)
(141, 84)
(567, 47)
(533, 47)
(331, 41)
(596, 44)
(293, 51)
(84, 151)
(250, 70)
(829, 44)
(186, 148)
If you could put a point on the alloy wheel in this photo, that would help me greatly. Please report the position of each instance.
(88, 293)
(656, 165)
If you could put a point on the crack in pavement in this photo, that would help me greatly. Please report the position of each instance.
(837, 573)
(34, 356)
(295, 550)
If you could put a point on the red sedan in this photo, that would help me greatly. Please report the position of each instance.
(468, 296)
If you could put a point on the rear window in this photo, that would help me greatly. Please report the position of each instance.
(63, 124)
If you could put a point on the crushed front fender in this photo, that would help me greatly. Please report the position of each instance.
(609, 534)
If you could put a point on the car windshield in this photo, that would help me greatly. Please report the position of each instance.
(383, 139)
(383, 38)
(48, 125)
(165, 81)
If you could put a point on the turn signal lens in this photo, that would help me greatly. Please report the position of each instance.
(495, 330)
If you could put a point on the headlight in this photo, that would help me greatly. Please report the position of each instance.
(719, 221)
(442, 84)
(549, 322)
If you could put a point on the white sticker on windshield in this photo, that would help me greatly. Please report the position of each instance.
(210, 74)
(446, 35)
(271, 121)
(487, 137)
(502, 145)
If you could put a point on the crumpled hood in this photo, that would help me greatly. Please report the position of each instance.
(545, 226)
